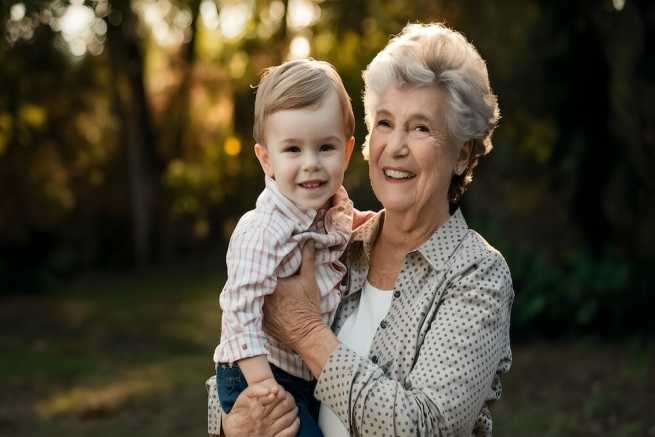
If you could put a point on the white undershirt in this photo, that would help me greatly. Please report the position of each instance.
(357, 333)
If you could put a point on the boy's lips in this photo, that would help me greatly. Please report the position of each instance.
(312, 185)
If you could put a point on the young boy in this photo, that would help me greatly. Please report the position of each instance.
(304, 133)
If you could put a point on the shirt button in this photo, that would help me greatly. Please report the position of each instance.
(374, 358)
(383, 324)
(396, 294)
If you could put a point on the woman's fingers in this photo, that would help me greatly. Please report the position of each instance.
(307, 266)
(283, 407)
(281, 413)
(290, 431)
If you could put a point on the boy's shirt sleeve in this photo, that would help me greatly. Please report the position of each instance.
(255, 252)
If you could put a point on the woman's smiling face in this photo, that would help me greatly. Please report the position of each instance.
(412, 157)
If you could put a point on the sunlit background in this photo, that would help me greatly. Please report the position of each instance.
(126, 160)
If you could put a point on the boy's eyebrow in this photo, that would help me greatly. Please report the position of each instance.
(320, 140)
(332, 138)
(291, 141)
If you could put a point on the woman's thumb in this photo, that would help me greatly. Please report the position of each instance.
(307, 266)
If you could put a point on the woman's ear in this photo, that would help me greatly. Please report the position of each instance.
(464, 157)
(264, 160)
(350, 144)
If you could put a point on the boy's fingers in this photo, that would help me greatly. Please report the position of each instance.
(273, 398)
(257, 391)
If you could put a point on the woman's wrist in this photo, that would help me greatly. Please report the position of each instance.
(316, 347)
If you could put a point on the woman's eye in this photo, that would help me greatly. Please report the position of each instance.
(384, 123)
(327, 147)
(421, 128)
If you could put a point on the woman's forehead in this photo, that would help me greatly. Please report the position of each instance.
(426, 102)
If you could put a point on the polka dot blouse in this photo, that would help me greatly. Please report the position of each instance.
(437, 357)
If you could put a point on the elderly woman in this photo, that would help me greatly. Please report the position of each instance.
(421, 337)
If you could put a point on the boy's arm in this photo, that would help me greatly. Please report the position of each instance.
(254, 254)
(256, 369)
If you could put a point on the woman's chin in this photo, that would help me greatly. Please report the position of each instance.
(398, 204)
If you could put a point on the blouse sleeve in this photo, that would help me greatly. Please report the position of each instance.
(464, 351)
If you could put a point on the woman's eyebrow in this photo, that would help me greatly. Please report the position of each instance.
(419, 116)
(383, 112)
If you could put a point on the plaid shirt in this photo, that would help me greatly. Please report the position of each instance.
(267, 244)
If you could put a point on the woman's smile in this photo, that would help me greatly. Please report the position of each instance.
(395, 175)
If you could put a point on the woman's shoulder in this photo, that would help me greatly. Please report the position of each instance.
(476, 253)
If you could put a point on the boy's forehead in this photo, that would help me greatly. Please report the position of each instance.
(326, 114)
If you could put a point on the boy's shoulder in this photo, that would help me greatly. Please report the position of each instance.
(264, 223)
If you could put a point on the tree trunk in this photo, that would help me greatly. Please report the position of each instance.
(134, 114)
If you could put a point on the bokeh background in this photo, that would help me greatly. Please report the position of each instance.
(126, 159)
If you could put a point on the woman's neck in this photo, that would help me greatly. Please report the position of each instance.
(407, 230)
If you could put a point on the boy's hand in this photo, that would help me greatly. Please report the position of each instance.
(271, 385)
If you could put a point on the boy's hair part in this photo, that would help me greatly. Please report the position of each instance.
(299, 84)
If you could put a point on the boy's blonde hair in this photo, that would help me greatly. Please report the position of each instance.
(299, 84)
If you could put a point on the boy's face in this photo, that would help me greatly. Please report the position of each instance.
(307, 152)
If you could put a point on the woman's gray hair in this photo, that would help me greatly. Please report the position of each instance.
(429, 54)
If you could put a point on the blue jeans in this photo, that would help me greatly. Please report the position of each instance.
(231, 383)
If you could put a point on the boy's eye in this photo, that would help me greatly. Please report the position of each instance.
(292, 149)
(384, 123)
(327, 147)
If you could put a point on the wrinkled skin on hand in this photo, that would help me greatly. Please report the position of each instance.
(260, 412)
(292, 312)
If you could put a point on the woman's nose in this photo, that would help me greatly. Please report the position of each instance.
(397, 143)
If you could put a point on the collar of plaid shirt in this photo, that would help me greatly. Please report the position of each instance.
(338, 217)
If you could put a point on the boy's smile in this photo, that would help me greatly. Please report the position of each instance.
(307, 152)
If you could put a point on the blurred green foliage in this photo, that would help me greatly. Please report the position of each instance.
(125, 136)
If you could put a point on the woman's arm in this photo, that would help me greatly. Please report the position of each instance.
(453, 373)
(294, 316)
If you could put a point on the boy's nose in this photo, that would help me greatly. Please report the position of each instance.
(311, 162)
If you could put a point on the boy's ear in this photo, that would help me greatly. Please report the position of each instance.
(264, 160)
(350, 144)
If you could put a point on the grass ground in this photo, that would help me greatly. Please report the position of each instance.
(127, 356)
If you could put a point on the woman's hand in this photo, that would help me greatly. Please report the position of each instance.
(258, 412)
(292, 312)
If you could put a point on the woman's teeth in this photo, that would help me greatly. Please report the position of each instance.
(398, 174)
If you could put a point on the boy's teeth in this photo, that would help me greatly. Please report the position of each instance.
(397, 174)
(310, 184)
